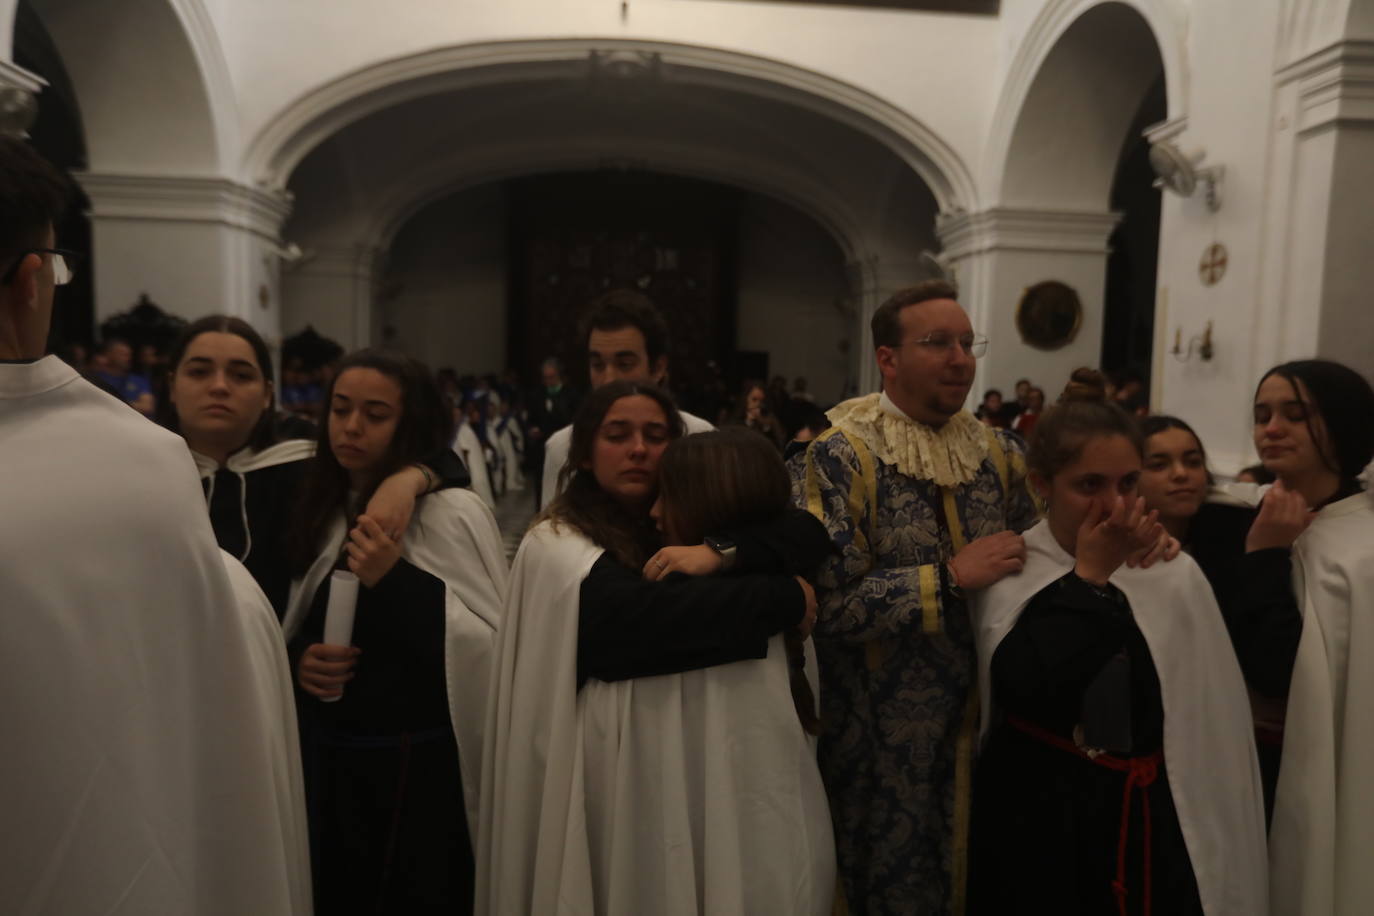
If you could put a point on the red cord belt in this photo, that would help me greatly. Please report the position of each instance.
(1140, 772)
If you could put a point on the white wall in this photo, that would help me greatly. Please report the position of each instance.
(792, 294)
(1230, 111)
(444, 287)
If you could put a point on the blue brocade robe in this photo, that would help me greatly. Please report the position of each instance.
(896, 649)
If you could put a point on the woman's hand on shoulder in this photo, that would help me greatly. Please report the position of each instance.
(700, 560)
(372, 552)
(323, 669)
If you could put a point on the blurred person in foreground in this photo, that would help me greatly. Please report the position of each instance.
(156, 768)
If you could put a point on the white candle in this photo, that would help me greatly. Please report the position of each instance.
(338, 616)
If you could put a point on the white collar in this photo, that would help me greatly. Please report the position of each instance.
(948, 456)
(24, 380)
(249, 459)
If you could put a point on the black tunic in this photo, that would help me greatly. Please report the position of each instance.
(388, 825)
(1046, 822)
(630, 627)
(1255, 593)
(261, 498)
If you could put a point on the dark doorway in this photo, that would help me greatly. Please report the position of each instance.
(574, 236)
(1129, 315)
(57, 134)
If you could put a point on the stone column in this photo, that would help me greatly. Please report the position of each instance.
(195, 245)
(334, 290)
(996, 254)
(872, 279)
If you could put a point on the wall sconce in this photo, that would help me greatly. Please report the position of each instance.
(1202, 344)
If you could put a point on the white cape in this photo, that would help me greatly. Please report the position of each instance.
(556, 453)
(151, 766)
(454, 538)
(469, 448)
(680, 794)
(1322, 839)
(1209, 746)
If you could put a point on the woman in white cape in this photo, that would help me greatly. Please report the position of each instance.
(644, 752)
(1314, 429)
(1119, 770)
(393, 716)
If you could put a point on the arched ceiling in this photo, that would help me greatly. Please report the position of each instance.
(359, 184)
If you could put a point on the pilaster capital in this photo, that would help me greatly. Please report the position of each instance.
(964, 234)
(261, 211)
(1335, 86)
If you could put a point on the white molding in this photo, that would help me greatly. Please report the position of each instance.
(1335, 86)
(202, 36)
(12, 74)
(1011, 229)
(300, 126)
(187, 200)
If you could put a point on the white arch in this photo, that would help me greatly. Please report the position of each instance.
(1165, 19)
(151, 81)
(214, 71)
(308, 121)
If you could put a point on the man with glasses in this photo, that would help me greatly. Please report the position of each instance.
(923, 502)
(152, 764)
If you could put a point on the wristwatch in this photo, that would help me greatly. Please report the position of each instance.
(725, 547)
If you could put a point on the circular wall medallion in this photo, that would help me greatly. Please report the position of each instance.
(1049, 315)
(1212, 267)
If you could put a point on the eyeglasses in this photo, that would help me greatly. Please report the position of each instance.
(974, 345)
(63, 264)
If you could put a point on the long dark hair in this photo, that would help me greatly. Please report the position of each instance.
(1345, 402)
(726, 480)
(628, 537)
(424, 427)
(264, 432)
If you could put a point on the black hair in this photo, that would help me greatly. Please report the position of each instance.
(1345, 401)
(1158, 423)
(626, 308)
(582, 503)
(34, 195)
(886, 323)
(264, 432)
(425, 426)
